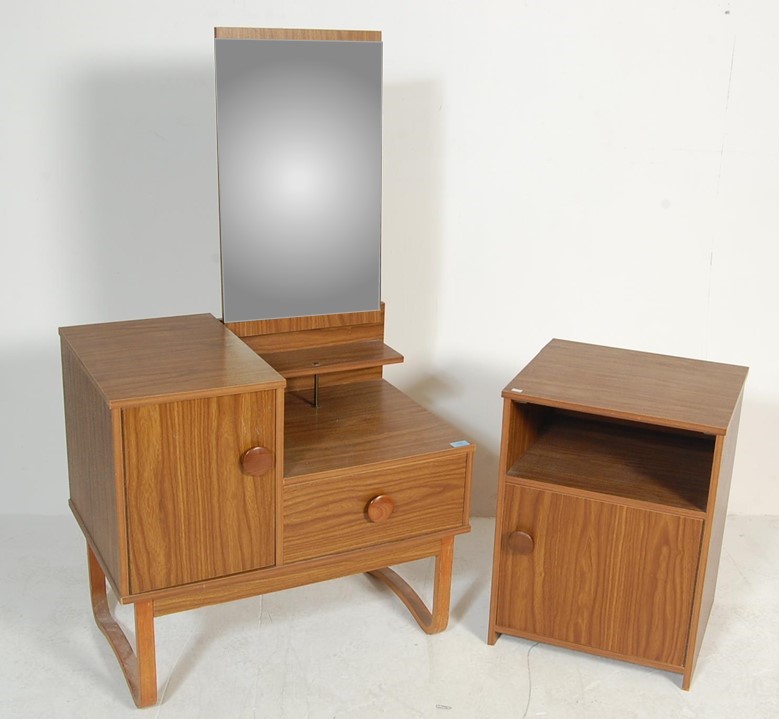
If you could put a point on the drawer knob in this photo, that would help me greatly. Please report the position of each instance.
(256, 461)
(380, 508)
(520, 542)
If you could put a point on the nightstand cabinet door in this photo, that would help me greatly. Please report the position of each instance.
(616, 578)
(193, 513)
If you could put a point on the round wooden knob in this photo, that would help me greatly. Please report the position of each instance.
(380, 508)
(256, 461)
(520, 542)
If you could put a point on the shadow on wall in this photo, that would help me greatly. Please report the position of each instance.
(33, 461)
(412, 231)
(413, 253)
(755, 485)
(475, 408)
(147, 192)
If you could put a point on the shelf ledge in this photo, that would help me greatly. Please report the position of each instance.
(332, 358)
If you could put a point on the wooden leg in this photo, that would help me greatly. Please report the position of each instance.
(435, 621)
(687, 679)
(139, 667)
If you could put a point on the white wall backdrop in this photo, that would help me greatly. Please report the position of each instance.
(598, 170)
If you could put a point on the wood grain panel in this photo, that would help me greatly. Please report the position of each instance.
(522, 425)
(304, 386)
(167, 359)
(308, 322)
(275, 579)
(192, 513)
(251, 33)
(722, 472)
(356, 425)
(669, 469)
(601, 575)
(326, 337)
(91, 466)
(671, 391)
(332, 358)
(328, 516)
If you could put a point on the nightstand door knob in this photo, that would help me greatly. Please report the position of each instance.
(256, 461)
(520, 542)
(380, 508)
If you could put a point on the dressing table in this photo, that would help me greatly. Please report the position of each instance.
(211, 460)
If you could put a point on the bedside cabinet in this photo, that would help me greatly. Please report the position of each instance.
(615, 469)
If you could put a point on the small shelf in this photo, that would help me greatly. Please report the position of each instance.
(332, 358)
(671, 469)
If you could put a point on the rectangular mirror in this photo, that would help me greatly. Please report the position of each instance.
(299, 153)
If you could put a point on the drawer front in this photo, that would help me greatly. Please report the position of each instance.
(385, 504)
(194, 512)
(597, 574)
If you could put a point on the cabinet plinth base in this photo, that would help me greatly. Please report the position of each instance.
(139, 666)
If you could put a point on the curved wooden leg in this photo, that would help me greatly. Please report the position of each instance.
(139, 667)
(435, 621)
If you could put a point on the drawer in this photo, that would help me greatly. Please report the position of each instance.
(412, 498)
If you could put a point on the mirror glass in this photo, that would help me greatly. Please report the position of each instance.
(299, 152)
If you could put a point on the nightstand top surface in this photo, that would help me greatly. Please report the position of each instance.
(639, 386)
(167, 359)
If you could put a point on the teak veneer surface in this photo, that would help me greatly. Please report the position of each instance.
(332, 358)
(96, 492)
(166, 359)
(615, 467)
(330, 516)
(670, 391)
(601, 576)
(192, 513)
(309, 339)
(359, 424)
(287, 325)
(252, 33)
(274, 579)
(672, 470)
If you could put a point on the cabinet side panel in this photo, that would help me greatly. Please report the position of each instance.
(522, 425)
(724, 455)
(513, 442)
(192, 512)
(279, 483)
(600, 575)
(90, 443)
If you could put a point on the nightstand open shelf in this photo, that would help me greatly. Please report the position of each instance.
(627, 461)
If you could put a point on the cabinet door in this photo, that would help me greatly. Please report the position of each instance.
(192, 513)
(602, 575)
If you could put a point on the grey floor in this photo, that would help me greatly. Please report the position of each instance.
(348, 649)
